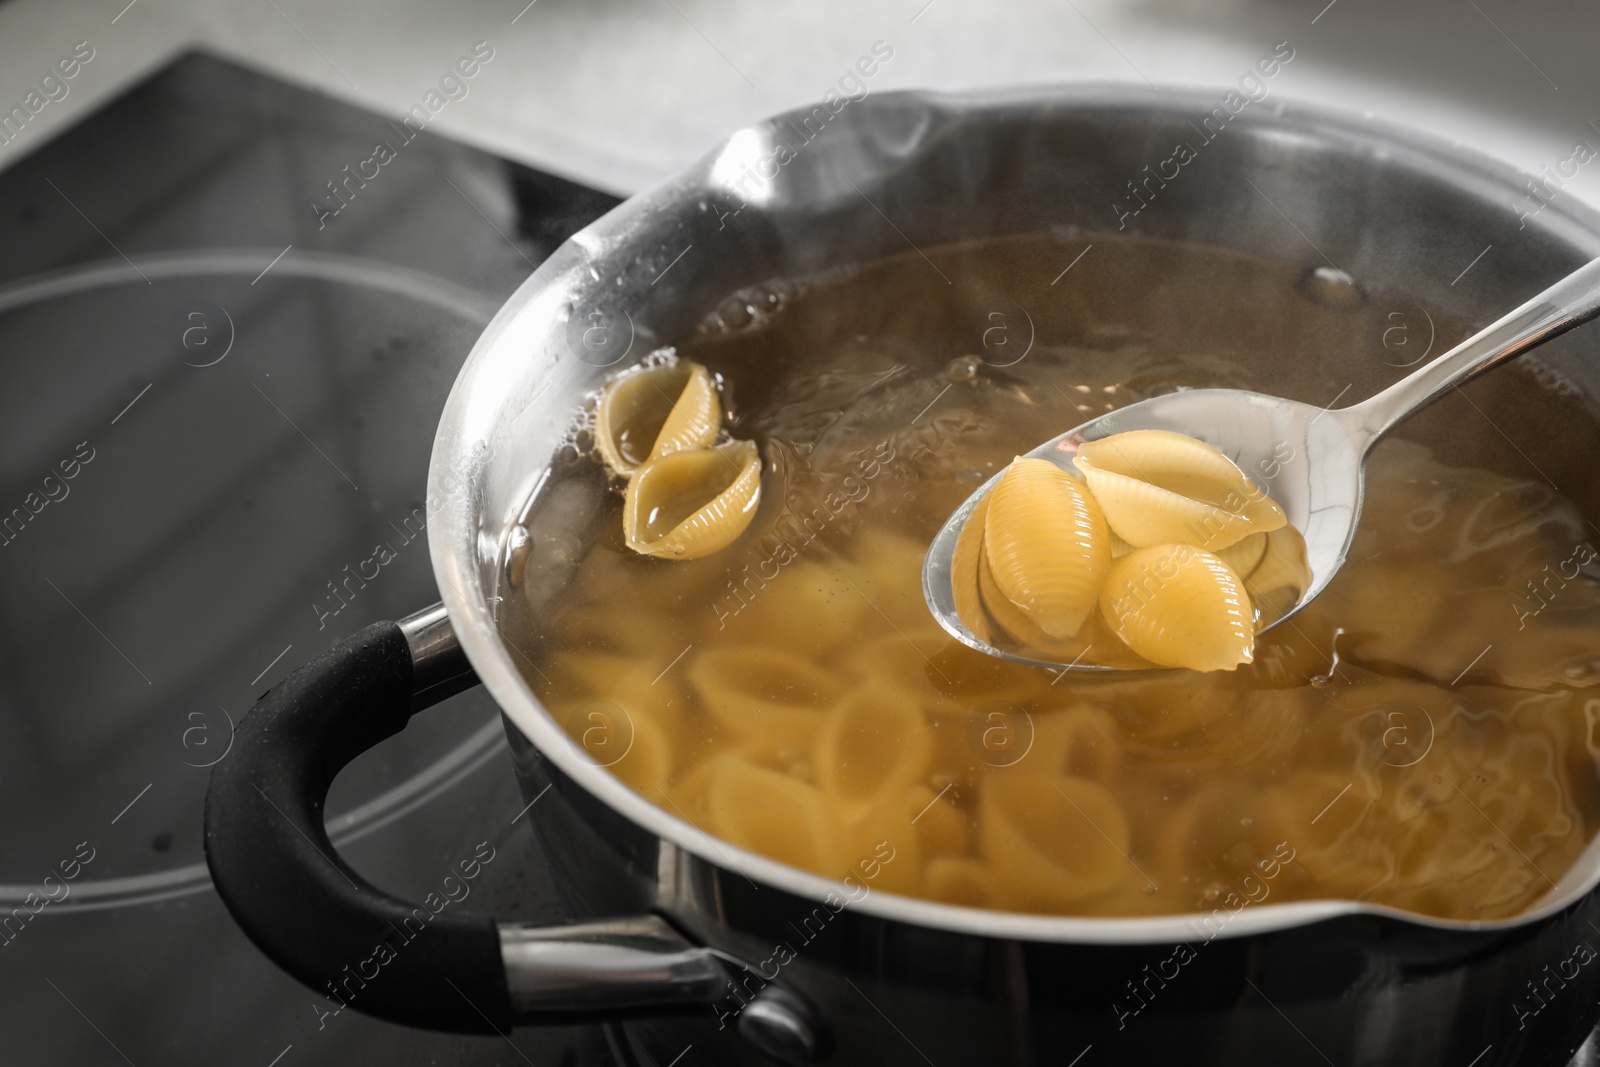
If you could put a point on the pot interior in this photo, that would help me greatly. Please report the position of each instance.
(1366, 224)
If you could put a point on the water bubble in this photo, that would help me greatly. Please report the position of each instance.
(1332, 288)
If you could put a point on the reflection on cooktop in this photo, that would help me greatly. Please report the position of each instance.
(213, 446)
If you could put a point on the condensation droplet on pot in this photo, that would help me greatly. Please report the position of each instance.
(517, 546)
(1332, 288)
(1247, 822)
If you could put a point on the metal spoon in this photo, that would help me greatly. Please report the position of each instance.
(1311, 460)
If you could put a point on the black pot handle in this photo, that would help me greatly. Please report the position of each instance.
(280, 877)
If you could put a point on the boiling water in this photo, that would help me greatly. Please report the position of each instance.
(1423, 736)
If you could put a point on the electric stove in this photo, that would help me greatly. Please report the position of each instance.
(226, 334)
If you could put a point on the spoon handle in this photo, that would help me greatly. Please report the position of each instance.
(1572, 301)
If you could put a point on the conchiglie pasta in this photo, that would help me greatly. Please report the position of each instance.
(1079, 741)
(1181, 607)
(886, 826)
(1185, 467)
(873, 745)
(1047, 545)
(1281, 576)
(942, 828)
(694, 419)
(775, 815)
(1048, 541)
(961, 881)
(907, 654)
(655, 410)
(686, 505)
(965, 562)
(647, 763)
(757, 691)
(1060, 840)
(1013, 620)
(1143, 514)
(1243, 556)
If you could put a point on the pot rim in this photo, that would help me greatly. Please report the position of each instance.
(463, 542)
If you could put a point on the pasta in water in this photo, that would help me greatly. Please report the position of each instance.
(686, 496)
(1423, 736)
(686, 505)
(653, 411)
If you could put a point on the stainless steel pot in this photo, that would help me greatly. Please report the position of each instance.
(686, 931)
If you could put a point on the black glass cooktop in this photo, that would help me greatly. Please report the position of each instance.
(217, 407)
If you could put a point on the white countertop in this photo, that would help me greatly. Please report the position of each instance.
(619, 93)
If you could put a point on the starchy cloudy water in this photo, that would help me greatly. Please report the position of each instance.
(791, 693)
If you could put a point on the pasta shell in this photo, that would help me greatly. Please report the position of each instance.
(648, 762)
(1080, 741)
(942, 828)
(756, 691)
(1157, 487)
(1280, 578)
(1119, 547)
(886, 846)
(687, 505)
(902, 658)
(959, 881)
(1143, 514)
(1011, 620)
(1180, 607)
(770, 813)
(875, 744)
(1058, 839)
(964, 570)
(694, 418)
(655, 411)
(1047, 545)
(1242, 557)
(1094, 644)
(1188, 467)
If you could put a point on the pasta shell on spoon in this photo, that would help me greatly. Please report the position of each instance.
(686, 505)
(1280, 576)
(655, 411)
(1094, 642)
(1046, 544)
(1178, 606)
(964, 574)
(1242, 557)
(1159, 487)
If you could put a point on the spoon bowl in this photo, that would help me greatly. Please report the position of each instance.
(1311, 460)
